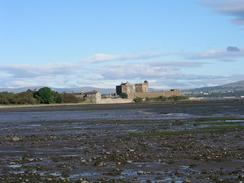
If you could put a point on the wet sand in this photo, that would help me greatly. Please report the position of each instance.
(183, 142)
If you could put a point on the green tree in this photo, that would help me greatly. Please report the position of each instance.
(45, 95)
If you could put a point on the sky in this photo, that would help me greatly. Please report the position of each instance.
(101, 43)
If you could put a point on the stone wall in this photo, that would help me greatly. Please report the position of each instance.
(141, 87)
(127, 88)
(158, 94)
(93, 98)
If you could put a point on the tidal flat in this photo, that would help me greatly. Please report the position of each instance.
(180, 142)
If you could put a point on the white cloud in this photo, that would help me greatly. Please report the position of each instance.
(102, 57)
(229, 54)
(166, 74)
(24, 70)
(137, 71)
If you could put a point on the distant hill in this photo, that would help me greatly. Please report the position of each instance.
(231, 89)
(237, 86)
(234, 86)
(68, 90)
(61, 90)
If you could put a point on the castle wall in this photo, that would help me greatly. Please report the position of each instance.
(141, 90)
(127, 88)
(141, 87)
(158, 94)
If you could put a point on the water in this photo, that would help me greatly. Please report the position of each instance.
(89, 115)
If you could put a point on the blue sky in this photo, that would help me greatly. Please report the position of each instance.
(173, 44)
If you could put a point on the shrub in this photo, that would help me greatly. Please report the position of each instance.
(58, 98)
(4, 100)
(25, 98)
(44, 96)
(7, 98)
(69, 98)
(177, 98)
(162, 98)
(138, 100)
(123, 95)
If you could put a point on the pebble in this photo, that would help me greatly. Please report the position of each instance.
(187, 181)
(101, 164)
(129, 161)
(15, 139)
(84, 181)
(140, 172)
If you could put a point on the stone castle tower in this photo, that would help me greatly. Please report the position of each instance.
(131, 89)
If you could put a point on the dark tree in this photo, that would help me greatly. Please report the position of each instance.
(45, 95)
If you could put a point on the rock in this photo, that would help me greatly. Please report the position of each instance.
(15, 139)
(100, 164)
(187, 181)
(140, 172)
(30, 159)
(83, 160)
(84, 181)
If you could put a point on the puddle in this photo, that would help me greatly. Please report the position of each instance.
(15, 166)
(56, 174)
(129, 173)
(234, 121)
(84, 175)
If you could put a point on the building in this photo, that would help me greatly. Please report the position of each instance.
(169, 93)
(92, 97)
(141, 90)
(141, 87)
(131, 89)
(127, 88)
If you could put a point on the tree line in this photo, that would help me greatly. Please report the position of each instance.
(44, 95)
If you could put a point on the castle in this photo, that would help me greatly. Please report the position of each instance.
(131, 89)
(141, 90)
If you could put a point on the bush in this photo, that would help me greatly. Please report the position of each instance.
(123, 95)
(44, 96)
(177, 98)
(162, 98)
(58, 98)
(166, 99)
(138, 100)
(7, 98)
(19, 98)
(69, 98)
(25, 98)
(4, 100)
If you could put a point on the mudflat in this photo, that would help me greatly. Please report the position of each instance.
(180, 142)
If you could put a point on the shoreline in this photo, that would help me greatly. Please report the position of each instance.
(87, 106)
(39, 105)
(153, 141)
